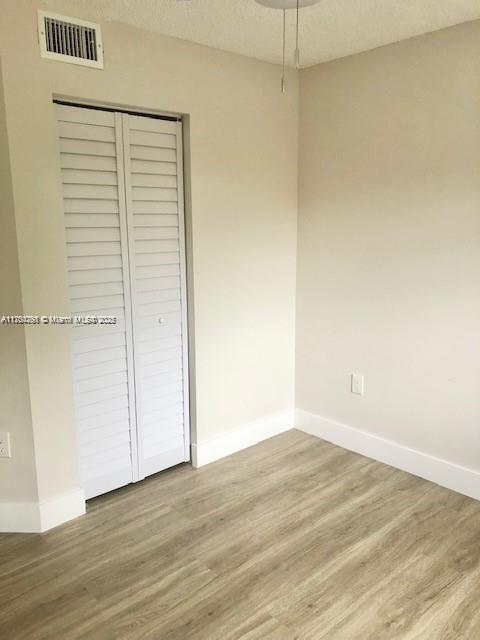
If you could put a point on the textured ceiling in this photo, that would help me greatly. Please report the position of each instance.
(330, 29)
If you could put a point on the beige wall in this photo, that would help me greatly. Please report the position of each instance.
(389, 242)
(17, 474)
(243, 145)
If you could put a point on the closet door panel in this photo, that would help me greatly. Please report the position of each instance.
(92, 167)
(154, 188)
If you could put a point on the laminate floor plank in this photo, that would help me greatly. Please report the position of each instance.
(292, 539)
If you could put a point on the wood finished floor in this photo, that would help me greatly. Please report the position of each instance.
(291, 539)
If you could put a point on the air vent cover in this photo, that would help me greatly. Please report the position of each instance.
(70, 40)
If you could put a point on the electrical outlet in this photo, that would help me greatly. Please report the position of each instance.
(5, 451)
(357, 384)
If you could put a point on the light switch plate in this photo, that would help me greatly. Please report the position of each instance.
(5, 451)
(357, 384)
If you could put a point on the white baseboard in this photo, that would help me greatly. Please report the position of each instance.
(19, 517)
(37, 517)
(241, 438)
(446, 474)
(61, 509)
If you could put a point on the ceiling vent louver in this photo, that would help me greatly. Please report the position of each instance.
(70, 40)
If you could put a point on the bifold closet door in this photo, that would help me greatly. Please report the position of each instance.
(91, 156)
(123, 209)
(154, 201)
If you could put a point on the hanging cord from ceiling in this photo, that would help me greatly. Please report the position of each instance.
(286, 5)
(284, 82)
(297, 49)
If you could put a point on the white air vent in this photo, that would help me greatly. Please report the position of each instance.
(70, 40)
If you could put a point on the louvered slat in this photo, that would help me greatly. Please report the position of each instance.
(147, 207)
(95, 290)
(90, 176)
(149, 180)
(109, 302)
(80, 131)
(156, 246)
(88, 147)
(157, 420)
(153, 167)
(85, 263)
(87, 235)
(164, 233)
(94, 248)
(153, 139)
(112, 418)
(89, 359)
(93, 206)
(102, 382)
(151, 153)
(99, 433)
(88, 163)
(159, 308)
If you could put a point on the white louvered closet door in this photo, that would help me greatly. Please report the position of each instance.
(123, 210)
(91, 156)
(154, 188)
